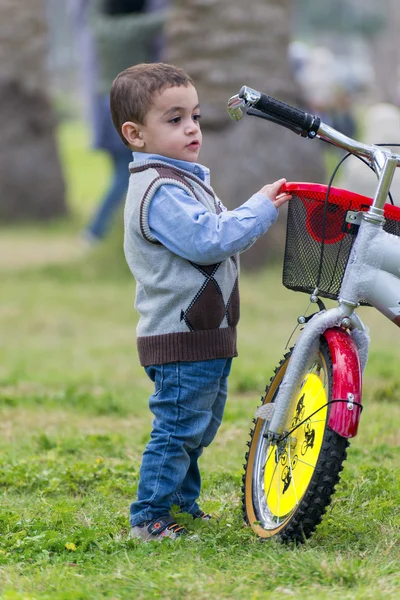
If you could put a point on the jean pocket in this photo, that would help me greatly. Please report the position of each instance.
(158, 380)
(156, 374)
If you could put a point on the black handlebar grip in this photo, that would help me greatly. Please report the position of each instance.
(285, 112)
(288, 114)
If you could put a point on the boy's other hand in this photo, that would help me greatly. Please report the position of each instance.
(274, 192)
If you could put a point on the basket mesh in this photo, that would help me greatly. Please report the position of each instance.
(305, 235)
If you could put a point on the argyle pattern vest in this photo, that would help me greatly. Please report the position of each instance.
(187, 311)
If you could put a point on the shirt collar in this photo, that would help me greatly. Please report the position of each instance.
(196, 168)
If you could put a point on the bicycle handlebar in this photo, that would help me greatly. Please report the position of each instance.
(304, 124)
(279, 112)
(382, 160)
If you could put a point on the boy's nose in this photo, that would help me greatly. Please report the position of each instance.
(193, 126)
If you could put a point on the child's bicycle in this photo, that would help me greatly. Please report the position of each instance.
(343, 246)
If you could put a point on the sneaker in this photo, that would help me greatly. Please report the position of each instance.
(200, 514)
(158, 529)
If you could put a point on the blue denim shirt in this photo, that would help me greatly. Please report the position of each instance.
(186, 228)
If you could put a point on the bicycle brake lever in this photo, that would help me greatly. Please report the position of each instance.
(257, 113)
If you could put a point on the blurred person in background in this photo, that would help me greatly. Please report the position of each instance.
(325, 90)
(113, 35)
(343, 117)
(380, 125)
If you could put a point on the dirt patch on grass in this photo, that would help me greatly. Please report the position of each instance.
(33, 251)
(18, 423)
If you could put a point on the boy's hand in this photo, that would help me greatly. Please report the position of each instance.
(274, 193)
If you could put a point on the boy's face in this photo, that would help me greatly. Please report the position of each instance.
(172, 126)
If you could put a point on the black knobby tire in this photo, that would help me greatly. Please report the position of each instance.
(319, 480)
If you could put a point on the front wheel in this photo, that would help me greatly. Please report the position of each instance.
(287, 485)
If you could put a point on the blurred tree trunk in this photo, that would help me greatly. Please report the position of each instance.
(31, 182)
(224, 45)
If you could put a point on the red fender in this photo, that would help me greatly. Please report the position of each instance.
(346, 384)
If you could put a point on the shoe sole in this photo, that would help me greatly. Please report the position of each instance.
(138, 534)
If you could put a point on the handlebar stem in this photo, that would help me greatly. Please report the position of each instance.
(334, 137)
(375, 213)
(382, 160)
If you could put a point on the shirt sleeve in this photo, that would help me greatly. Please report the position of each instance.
(187, 228)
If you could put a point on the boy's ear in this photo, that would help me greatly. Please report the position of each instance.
(132, 133)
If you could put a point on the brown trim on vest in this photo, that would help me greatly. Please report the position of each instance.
(189, 346)
(179, 172)
(141, 214)
(233, 305)
(166, 173)
(142, 168)
(170, 173)
(163, 173)
(206, 189)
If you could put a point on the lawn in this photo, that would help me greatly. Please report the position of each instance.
(74, 421)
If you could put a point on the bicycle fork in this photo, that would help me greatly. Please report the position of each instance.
(347, 371)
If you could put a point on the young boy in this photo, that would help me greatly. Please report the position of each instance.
(181, 245)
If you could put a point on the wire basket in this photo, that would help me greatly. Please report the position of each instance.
(306, 233)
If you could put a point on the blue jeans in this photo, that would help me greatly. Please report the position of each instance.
(101, 221)
(188, 404)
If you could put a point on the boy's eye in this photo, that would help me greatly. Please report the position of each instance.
(175, 120)
(196, 117)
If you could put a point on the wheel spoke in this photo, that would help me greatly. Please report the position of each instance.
(273, 475)
(315, 399)
(291, 473)
(279, 501)
(319, 393)
(306, 463)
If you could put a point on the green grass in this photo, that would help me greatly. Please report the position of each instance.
(74, 421)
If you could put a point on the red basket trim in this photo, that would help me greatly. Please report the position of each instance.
(390, 211)
(320, 188)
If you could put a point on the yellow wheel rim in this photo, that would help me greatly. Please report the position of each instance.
(289, 469)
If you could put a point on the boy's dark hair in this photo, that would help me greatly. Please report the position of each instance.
(132, 91)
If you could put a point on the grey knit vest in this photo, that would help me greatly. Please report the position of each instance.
(188, 312)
